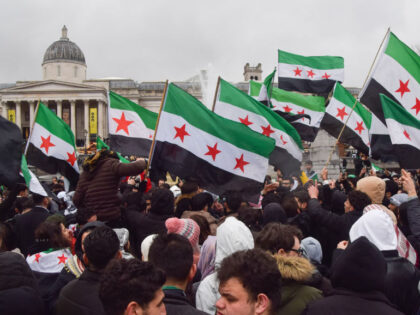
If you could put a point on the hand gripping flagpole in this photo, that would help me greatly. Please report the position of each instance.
(32, 127)
(152, 147)
(357, 99)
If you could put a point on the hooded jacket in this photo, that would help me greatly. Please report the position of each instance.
(295, 295)
(358, 276)
(232, 236)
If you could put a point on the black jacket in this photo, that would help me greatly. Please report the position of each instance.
(176, 303)
(410, 212)
(25, 227)
(81, 296)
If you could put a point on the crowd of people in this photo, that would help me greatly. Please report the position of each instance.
(120, 244)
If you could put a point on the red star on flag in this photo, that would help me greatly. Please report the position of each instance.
(37, 257)
(72, 158)
(213, 151)
(359, 127)
(282, 140)
(267, 131)
(407, 135)
(298, 72)
(46, 143)
(287, 109)
(403, 88)
(310, 74)
(301, 113)
(341, 112)
(181, 133)
(123, 123)
(326, 76)
(150, 137)
(417, 106)
(62, 259)
(240, 163)
(245, 121)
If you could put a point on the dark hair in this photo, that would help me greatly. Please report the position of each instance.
(38, 199)
(358, 199)
(204, 227)
(162, 202)
(258, 273)
(233, 200)
(101, 245)
(135, 201)
(199, 201)
(302, 195)
(269, 198)
(275, 236)
(23, 203)
(126, 281)
(173, 254)
(83, 215)
(250, 217)
(391, 186)
(189, 187)
(7, 238)
(290, 205)
(20, 187)
(308, 162)
(51, 234)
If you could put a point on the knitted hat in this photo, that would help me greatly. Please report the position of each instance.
(312, 248)
(398, 199)
(185, 227)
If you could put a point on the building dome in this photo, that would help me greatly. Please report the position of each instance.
(64, 50)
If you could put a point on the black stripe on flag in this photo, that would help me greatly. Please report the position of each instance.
(129, 145)
(306, 86)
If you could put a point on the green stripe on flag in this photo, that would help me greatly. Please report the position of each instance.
(398, 113)
(102, 145)
(404, 55)
(345, 97)
(119, 102)
(179, 102)
(316, 62)
(49, 120)
(25, 171)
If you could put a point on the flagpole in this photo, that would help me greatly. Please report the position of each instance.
(356, 99)
(271, 90)
(152, 147)
(215, 93)
(32, 127)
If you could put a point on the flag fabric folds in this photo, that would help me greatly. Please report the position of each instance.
(297, 104)
(100, 144)
(264, 93)
(396, 75)
(51, 145)
(233, 104)
(32, 182)
(315, 74)
(131, 127)
(339, 109)
(404, 130)
(11, 152)
(193, 142)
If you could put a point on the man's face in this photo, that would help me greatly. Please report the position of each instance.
(392, 207)
(295, 248)
(308, 167)
(234, 299)
(286, 183)
(156, 306)
(347, 206)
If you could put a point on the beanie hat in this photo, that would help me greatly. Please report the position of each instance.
(187, 228)
(312, 249)
(398, 199)
(374, 187)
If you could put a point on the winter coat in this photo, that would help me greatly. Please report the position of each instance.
(81, 296)
(210, 219)
(232, 236)
(412, 211)
(295, 295)
(176, 303)
(358, 277)
(97, 188)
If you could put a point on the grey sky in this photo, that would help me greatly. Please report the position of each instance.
(158, 40)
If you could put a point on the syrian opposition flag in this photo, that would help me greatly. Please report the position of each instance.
(102, 145)
(51, 145)
(404, 130)
(233, 104)
(356, 131)
(50, 261)
(396, 75)
(264, 93)
(297, 104)
(131, 127)
(32, 182)
(193, 142)
(316, 74)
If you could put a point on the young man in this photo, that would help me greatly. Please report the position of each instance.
(250, 283)
(173, 254)
(131, 287)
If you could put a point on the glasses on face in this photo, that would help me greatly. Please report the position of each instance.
(298, 251)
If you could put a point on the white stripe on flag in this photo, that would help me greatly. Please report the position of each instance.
(136, 129)
(316, 117)
(286, 70)
(403, 134)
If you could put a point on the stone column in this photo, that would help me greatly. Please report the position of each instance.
(19, 114)
(4, 109)
(101, 119)
(73, 116)
(31, 113)
(60, 109)
(86, 122)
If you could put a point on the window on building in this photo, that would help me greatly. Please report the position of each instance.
(58, 71)
(75, 71)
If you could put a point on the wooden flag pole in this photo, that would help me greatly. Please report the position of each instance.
(215, 93)
(152, 147)
(271, 90)
(32, 127)
(356, 100)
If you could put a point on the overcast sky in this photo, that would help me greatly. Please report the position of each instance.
(157, 40)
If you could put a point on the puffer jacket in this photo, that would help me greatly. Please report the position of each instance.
(97, 188)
